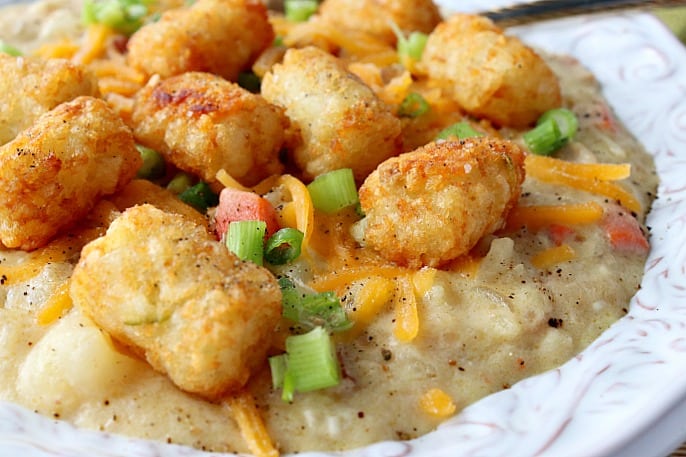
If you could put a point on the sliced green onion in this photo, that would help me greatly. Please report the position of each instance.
(553, 129)
(9, 49)
(565, 119)
(312, 361)
(461, 130)
(411, 47)
(283, 246)
(124, 16)
(249, 81)
(277, 367)
(414, 105)
(334, 190)
(545, 138)
(153, 163)
(316, 309)
(180, 182)
(246, 240)
(199, 196)
(299, 10)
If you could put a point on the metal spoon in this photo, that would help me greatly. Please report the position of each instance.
(549, 9)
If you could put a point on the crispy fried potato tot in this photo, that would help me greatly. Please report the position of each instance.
(31, 86)
(141, 191)
(202, 123)
(54, 172)
(217, 36)
(432, 205)
(341, 121)
(373, 16)
(162, 285)
(490, 74)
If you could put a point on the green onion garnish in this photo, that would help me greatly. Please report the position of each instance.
(411, 47)
(413, 105)
(334, 190)
(283, 246)
(313, 309)
(199, 196)
(299, 10)
(246, 240)
(9, 49)
(124, 16)
(566, 121)
(310, 363)
(544, 139)
(180, 182)
(461, 130)
(153, 163)
(249, 81)
(553, 129)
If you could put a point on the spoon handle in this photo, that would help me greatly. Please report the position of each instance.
(549, 9)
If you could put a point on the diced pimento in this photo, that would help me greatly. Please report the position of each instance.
(240, 205)
(559, 233)
(624, 232)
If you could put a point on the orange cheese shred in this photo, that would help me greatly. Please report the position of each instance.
(552, 256)
(375, 293)
(537, 164)
(56, 305)
(535, 217)
(94, 45)
(437, 403)
(342, 278)
(595, 178)
(64, 49)
(406, 325)
(251, 425)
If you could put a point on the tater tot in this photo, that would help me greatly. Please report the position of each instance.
(490, 74)
(54, 172)
(374, 16)
(31, 86)
(432, 205)
(217, 36)
(162, 285)
(341, 122)
(202, 123)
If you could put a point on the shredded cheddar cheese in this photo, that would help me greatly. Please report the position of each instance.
(599, 182)
(406, 325)
(553, 256)
(94, 44)
(251, 425)
(437, 403)
(376, 291)
(56, 306)
(538, 164)
(535, 217)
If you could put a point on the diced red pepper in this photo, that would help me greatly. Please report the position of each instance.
(559, 233)
(624, 232)
(240, 205)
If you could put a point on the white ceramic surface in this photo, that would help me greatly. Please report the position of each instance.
(623, 396)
